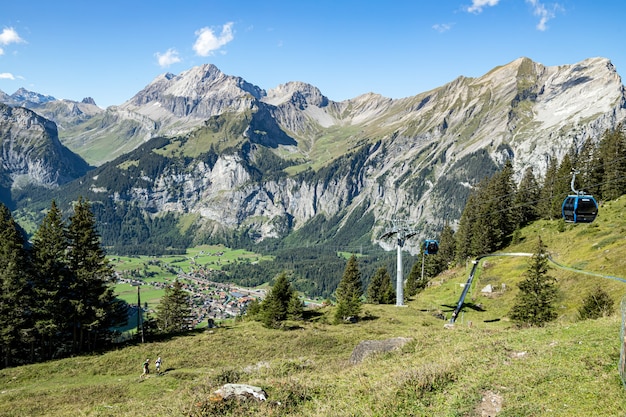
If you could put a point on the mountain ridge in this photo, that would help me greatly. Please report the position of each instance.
(285, 157)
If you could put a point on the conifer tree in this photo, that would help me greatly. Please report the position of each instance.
(465, 232)
(51, 281)
(174, 310)
(612, 148)
(447, 247)
(91, 292)
(280, 303)
(14, 294)
(548, 192)
(380, 290)
(563, 184)
(590, 176)
(526, 199)
(349, 292)
(535, 301)
(412, 283)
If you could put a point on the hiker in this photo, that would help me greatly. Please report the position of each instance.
(146, 369)
(157, 364)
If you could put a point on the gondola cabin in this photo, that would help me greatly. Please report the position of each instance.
(579, 208)
(431, 247)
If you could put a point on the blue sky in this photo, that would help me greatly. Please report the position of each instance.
(110, 49)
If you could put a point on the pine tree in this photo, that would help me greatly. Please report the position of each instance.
(380, 291)
(535, 301)
(447, 247)
(51, 281)
(465, 232)
(349, 292)
(563, 184)
(589, 176)
(91, 294)
(612, 149)
(548, 192)
(280, 303)
(526, 199)
(174, 310)
(14, 296)
(411, 285)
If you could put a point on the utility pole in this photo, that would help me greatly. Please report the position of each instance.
(402, 232)
(139, 315)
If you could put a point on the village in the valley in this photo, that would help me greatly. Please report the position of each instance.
(211, 301)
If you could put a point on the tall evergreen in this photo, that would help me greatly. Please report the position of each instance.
(174, 310)
(380, 290)
(349, 292)
(52, 281)
(563, 184)
(14, 294)
(535, 301)
(526, 199)
(447, 247)
(548, 192)
(465, 232)
(415, 283)
(612, 148)
(91, 292)
(589, 176)
(280, 304)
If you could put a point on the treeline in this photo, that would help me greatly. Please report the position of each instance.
(57, 294)
(497, 207)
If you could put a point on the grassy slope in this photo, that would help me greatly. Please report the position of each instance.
(568, 368)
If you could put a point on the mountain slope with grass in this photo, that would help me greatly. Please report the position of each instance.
(483, 365)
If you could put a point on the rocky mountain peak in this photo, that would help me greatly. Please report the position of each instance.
(195, 94)
(23, 95)
(299, 93)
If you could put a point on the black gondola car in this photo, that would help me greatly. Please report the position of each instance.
(579, 208)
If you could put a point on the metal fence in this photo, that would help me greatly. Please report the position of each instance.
(622, 356)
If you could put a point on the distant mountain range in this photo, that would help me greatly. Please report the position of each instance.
(227, 159)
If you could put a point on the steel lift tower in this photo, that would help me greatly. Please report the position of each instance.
(402, 232)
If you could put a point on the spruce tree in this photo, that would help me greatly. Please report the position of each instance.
(94, 309)
(447, 247)
(349, 292)
(380, 290)
(14, 296)
(548, 192)
(276, 306)
(535, 301)
(51, 282)
(526, 200)
(174, 310)
(411, 285)
(465, 232)
(613, 148)
(589, 176)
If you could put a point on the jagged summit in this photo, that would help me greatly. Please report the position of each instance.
(297, 92)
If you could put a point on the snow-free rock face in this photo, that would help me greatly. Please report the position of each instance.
(194, 96)
(32, 153)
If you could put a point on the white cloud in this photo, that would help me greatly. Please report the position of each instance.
(168, 58)
(442, 27)
(8, 36)
(6, 76)
(208, 42)
(477, 5)
(544, 14)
